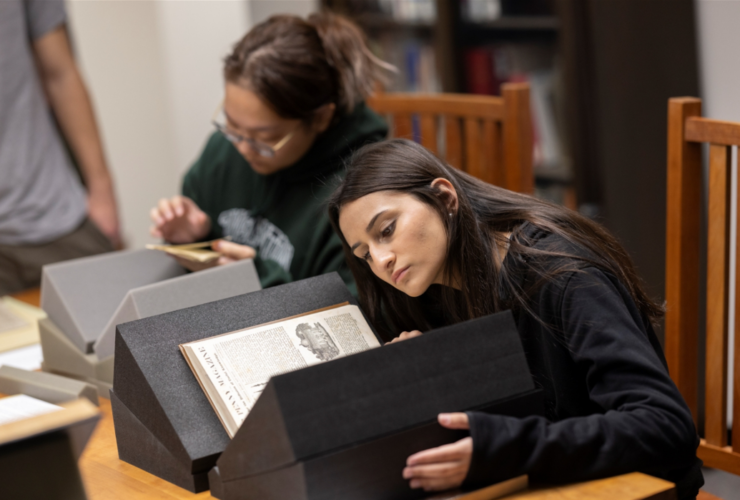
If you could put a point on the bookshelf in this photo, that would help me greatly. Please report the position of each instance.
(614, 65)
(436, 43)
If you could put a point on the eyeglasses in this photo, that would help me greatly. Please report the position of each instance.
(260, 147)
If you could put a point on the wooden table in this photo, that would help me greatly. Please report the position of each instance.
(32, 296)
(108, 478)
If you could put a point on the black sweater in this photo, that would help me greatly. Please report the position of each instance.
(610, 406)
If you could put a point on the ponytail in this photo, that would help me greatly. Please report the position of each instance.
(297, 65)
(346, 50)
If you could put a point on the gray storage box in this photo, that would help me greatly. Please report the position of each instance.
(81, 296)
(85, 299)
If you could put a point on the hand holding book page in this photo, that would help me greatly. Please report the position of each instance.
(234, 368)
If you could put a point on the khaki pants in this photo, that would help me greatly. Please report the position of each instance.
(20, 265)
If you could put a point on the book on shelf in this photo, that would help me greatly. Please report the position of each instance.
(480, 10)
(415, 59)
(481, 74)
(547, 150)
(410, 10)
(488, 67)
(234, 368)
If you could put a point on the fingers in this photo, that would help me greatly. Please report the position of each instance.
(438, 484)
(440, 468)
(405, 336)
(178, 205)
(198, 217)
(234, 251)
(448, 452)
(454, 420)
(166, 211)
(156, 217)
(432, 471)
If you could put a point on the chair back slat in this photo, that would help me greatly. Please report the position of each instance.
(683, 227)
(713, 131)
(486, 136)
(518, 138)
(428, 127)
(444, 104)
(718, 266)
(473, 148)
(453, 141)
(736, 368)
(687, 132)
(492, 138)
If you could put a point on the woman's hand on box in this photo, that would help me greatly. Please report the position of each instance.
(443, 467)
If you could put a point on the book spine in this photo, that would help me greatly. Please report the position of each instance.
(479, 71)
(413, 54)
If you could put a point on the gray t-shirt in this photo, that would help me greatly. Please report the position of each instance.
(41, 197)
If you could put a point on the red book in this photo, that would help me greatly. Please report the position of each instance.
(479, 71)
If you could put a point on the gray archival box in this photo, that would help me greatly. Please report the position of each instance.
(86, 298)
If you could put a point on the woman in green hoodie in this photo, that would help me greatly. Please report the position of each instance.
(293, 112)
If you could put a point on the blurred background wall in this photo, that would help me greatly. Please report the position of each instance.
(719, 40)
(153, 69)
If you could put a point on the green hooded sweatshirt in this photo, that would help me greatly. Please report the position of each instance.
(282, 215)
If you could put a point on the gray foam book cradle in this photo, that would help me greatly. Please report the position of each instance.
(86, 298)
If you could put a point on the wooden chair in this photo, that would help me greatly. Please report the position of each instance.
(486, 136)
(687, 131)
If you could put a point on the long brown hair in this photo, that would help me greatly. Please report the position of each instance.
(475, 232)
(298, 65)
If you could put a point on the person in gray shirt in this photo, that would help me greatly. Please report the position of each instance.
(46, 215)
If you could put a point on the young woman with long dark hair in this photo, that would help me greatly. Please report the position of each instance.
(430, 245)
(293, 110)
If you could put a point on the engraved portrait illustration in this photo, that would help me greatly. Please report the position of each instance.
(317, 340)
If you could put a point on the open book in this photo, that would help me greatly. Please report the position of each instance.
(234, 368)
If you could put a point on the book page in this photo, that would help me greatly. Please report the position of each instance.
(238, 365)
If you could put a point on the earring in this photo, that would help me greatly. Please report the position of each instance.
(450, 214)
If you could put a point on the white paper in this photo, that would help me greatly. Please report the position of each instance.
(10, 320)
(25, 358)
(20, 407)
